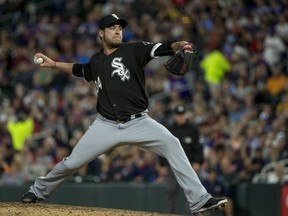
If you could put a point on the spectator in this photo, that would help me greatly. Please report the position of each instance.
(274, 47)
(14, 175)
(32, 169)
(215, 66)
(20, 130)
(276, 84)
(256, 163)
(278, 175)
(281, 109)
(148, 169)
(281, 28)
(277, 143)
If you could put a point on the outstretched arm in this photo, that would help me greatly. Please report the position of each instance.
(167, 48)
(62, 66)
(177, 44)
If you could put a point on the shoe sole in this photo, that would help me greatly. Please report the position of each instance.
(219, 205)
(29, 200)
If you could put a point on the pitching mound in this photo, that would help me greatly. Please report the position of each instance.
(44, 209)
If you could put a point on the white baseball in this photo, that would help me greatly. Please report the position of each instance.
(39, 60)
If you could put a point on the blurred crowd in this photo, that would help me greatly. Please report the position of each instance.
(237, 94)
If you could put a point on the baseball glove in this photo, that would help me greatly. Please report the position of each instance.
(183, 60)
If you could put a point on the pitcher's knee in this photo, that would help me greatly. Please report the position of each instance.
(70, 164)
(172, 142)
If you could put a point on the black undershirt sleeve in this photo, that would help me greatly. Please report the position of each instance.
(77, 70)
(164, 49)
(82, 70)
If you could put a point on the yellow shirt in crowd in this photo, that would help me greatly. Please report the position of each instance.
(215, 65)
(20, 131)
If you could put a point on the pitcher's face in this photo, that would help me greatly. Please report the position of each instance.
(112, 36)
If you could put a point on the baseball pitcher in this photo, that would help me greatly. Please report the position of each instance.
(122, 116)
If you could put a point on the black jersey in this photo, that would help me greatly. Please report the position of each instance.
(120, 79)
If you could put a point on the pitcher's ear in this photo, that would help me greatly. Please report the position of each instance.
(101, 33)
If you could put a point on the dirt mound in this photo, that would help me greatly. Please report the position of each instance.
(46, 209)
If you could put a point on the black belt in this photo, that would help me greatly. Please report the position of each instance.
(125, 119)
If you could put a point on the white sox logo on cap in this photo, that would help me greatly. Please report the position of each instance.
(110, 20)
(115, 16)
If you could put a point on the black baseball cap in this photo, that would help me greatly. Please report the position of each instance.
(180, 109)
(111, 19)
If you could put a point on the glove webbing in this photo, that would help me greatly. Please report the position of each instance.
(177, 62)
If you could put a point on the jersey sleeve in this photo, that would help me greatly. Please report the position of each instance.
(87, 73)
(164, 49)
(144, 51)
(82, 70)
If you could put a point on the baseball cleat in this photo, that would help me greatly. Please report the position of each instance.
(212, 204)
(30, 198)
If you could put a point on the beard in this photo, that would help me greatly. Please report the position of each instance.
(113, 43)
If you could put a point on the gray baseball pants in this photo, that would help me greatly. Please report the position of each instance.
(145, 132)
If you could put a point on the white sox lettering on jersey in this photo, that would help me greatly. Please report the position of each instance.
(98, 84)
(120, 69)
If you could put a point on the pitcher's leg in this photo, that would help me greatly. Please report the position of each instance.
(155, 137)
(93, 143)
(171, 149)
(44, 186)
